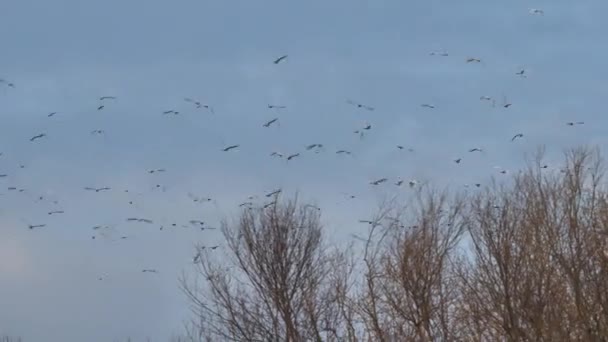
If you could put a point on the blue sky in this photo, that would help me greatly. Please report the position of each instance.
(63, 55)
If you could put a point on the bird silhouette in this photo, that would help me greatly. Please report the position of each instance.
(97, 189)
(107, 98)
(575, 123)
(267, 124)
(280, 59)
(426, 105)
(379, 181)
(36, 137)
(275, 192)
(290, 157)
(231, 147)
(473, 60)
(518, 135)
(360, 105)
(271, 106)
(476, 149)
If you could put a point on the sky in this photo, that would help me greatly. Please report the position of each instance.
(60, 284)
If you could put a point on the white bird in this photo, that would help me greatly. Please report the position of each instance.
(536, 11)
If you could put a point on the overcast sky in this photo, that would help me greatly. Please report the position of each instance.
(63, 55)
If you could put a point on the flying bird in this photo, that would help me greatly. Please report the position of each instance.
(107, 98)
(379, 181)
(426, 105)
(506, 104)
(575, 123)
(518, 135)
(276, 154)
(136, 219)
(311, 146)
(34, 226)
(275, 192)
(97, 189)
(41, 135)
(170, 112)
(149, 271)
(442, 53)
(231, 147)
(266, 206)
(343, 152)
(399, 182)
(536, 11)
(55, 212)
(473, 59)
(100, 107)
(270, 106)
(280, 59)
(458, 160)
(156, 170)
(412, 183)
(8, 84)
(267, 124)
(521, 73)
(51, 114)
(97, 131)
(359, 105)
(476, 149)
(290, 157)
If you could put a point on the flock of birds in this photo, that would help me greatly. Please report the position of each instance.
(366, 128)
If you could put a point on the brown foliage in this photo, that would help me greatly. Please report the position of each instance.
(526, 260)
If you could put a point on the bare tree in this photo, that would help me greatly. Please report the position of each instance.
(277, 282)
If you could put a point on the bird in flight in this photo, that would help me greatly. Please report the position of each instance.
(575, 123)
(231, 147)
(359, 105)
(412, 183)
(473, 59)
(379, 181)
(97, 131)
(506, 104)
(270, 106)
(458, 160)
(291, 156)
(267, 124)
(170, 112)
(536, 11)
(518, 135)
(343, 152)
(521, 73)
(55, 212)
(399, 182)
(280, 59)
(156, 170)
(311, 146)
(195, 198)
(267, 205)
(41, 135)
(136, 219)
(107, 98)
(97, 189)
(476, 149)
(276, 154)
(275, 192)
(51, 114)
(34, 226)
(100, 107)
(149, 271)
(198, 104)
(442, 53)
(426, 105)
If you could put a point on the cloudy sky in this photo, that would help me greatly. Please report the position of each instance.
(59, 284)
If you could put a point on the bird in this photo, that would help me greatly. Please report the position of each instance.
(97, 189)
(366, 221)
(248, 204)
(476, 149)
(136, 219)
(97, 131)
(55, 212)
(267, 124)
(343, 152)
(276, 154)
(41, 135)
(149, 271)
(34, 226)
(359, 105)
(275, 192)
(290, 157)
(399, 182)
(485, 98)
(195, 198)
(311, 146)
(536, 11)
(458, 160)
(426, 105)
(442, 53)
(379, 181)
(280, 59)
(107, 98)
(518, 135)
(3, 175)
(506, 104)
(100, 107)
(521, 73)
(473, 59)
(271, 106)
(51, 114)
(231, 147)
(575, 123)
(412, 183)
(156, 170)
(170, 112)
